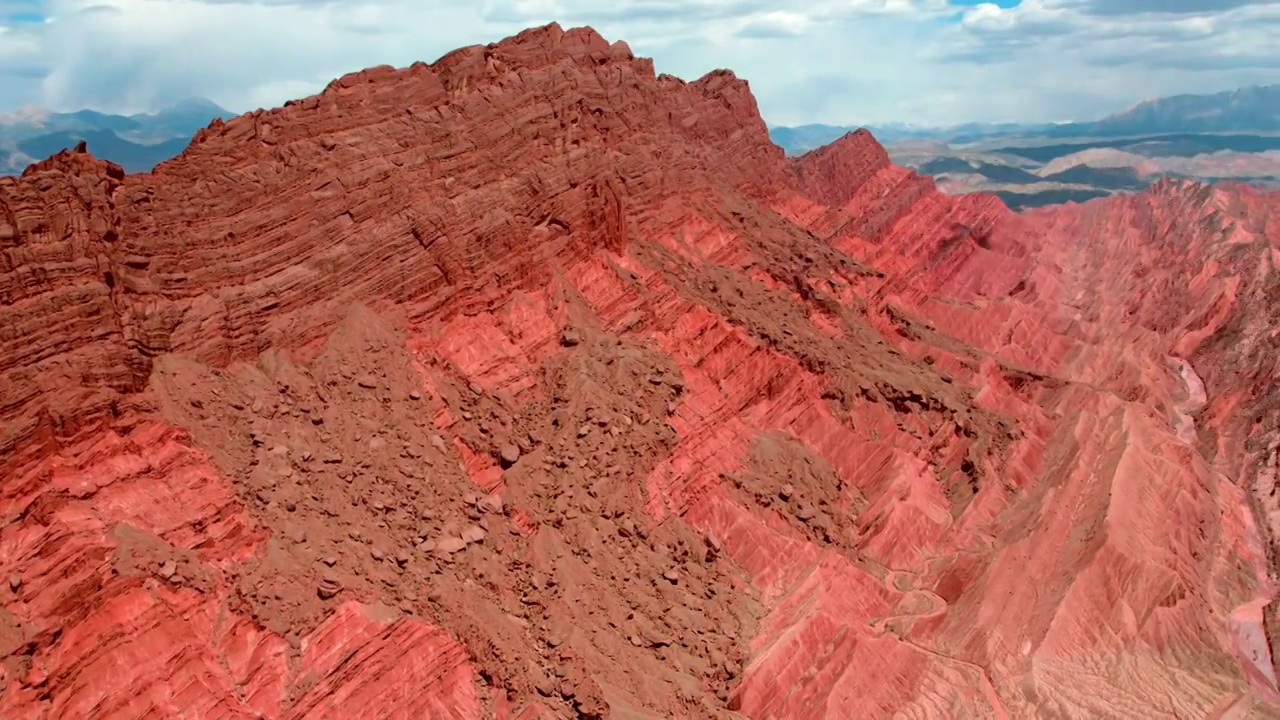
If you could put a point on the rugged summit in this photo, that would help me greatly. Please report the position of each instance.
(531, 384)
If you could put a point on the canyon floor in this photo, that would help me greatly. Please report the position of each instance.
(533, 384)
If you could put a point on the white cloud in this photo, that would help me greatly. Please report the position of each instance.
(781, 23)
(839, 61)
(1167, 7)
(988, 16)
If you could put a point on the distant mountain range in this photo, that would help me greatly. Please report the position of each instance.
(1227, 135)
(1252, 110)
(1224, 136)
(136, 142)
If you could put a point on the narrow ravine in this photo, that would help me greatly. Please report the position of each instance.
(1196, 399)
(1245, 623)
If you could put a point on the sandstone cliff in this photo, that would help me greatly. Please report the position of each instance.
(532, 384)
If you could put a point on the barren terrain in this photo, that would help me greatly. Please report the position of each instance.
(531, 384)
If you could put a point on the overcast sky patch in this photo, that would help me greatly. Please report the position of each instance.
(832, 61)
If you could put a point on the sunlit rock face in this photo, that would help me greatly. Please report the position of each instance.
(532, 384)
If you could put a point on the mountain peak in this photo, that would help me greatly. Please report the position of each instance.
(194, 106)
(587, 89)
(1254, 108)
(544, 386)
(834, 172)
(526, 51)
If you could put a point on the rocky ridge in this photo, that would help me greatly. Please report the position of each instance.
(530, 383)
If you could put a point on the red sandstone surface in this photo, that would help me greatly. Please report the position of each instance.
(529, 384)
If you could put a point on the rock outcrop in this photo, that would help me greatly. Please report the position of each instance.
(530, 383)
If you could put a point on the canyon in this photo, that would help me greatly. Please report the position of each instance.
(531, 383)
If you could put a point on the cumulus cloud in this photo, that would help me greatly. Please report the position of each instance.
(776, 25)
(836, 61)
(1167, 7)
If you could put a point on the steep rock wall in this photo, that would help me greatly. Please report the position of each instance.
(644, 419)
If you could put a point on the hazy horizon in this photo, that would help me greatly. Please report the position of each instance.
(34, 110)
(927, 62)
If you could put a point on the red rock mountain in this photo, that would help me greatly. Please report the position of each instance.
(530, 384)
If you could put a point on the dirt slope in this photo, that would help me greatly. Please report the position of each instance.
(531, 384)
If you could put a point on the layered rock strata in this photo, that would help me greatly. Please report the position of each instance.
(530, 383)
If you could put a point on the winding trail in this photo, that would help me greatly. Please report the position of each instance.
(936, 606)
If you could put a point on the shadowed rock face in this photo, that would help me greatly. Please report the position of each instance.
(531, 384)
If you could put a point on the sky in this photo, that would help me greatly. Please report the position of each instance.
(925, 62)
